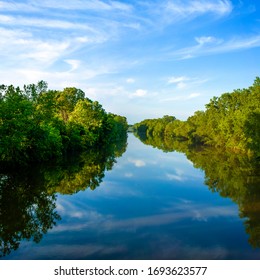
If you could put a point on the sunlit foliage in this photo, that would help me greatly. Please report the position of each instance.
(231, 121)
(37, 124)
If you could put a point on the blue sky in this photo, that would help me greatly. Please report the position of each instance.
(138, 58)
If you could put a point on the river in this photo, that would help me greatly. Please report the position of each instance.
(146, 204)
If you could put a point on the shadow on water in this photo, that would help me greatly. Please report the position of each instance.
(28, 195)
(232, 175)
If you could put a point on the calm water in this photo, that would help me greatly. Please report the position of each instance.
(150, 205)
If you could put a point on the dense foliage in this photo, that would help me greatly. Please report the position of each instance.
(38, 124)
(231, 121)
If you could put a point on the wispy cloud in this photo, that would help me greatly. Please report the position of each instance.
(184, 82)
(32, 58)
(85, 5)
(14, 6)
(180, 81)
(193, 211)
(187, 8)
(37, 44)
(20, 45)
(173, 11)
(65, 5)
(44, 23)
(211, 45)
(174, 177)
(74, 64)
(79, 211)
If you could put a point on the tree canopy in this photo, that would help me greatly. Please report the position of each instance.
(231, 121)
(38, 124)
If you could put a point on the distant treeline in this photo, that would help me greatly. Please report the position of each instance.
(38, 124)
(231, 121)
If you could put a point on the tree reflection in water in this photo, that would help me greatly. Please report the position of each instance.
(27, 209)
(231, 174)
(28, 196)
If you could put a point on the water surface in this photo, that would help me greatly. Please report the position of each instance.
(146, 204)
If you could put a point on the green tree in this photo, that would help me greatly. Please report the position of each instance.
(16, 125)
(89, 117)
(37, 124)
(66, 101)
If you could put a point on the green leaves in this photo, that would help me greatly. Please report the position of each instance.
(231, 121)
(37, 124)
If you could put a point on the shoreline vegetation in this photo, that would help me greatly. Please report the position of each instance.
(230, 122)
(224, 142)
(38, 124)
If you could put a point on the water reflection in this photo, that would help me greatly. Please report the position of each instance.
(27, 210)
(150, 205)
(28, 207)
(232, 175)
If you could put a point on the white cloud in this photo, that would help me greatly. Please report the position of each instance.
(121, 6)
(176, 80)
(66, 208)
(5, 19)
(89, 218)
(96, 5)
(55, 79)
(45, 23)
(206, 39)
(139, 93)
(210, 45)
(21, 48)
(183, 82)
(44, 51)
(174, 177)
(205, 212)
(137, 162)
(188, 8)
(14, 6)
(74, 63)
(193, 95)
(179, 81)
(179, 11)
(130, 80)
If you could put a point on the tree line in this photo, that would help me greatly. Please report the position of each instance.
(38, 124)
(231, 121)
